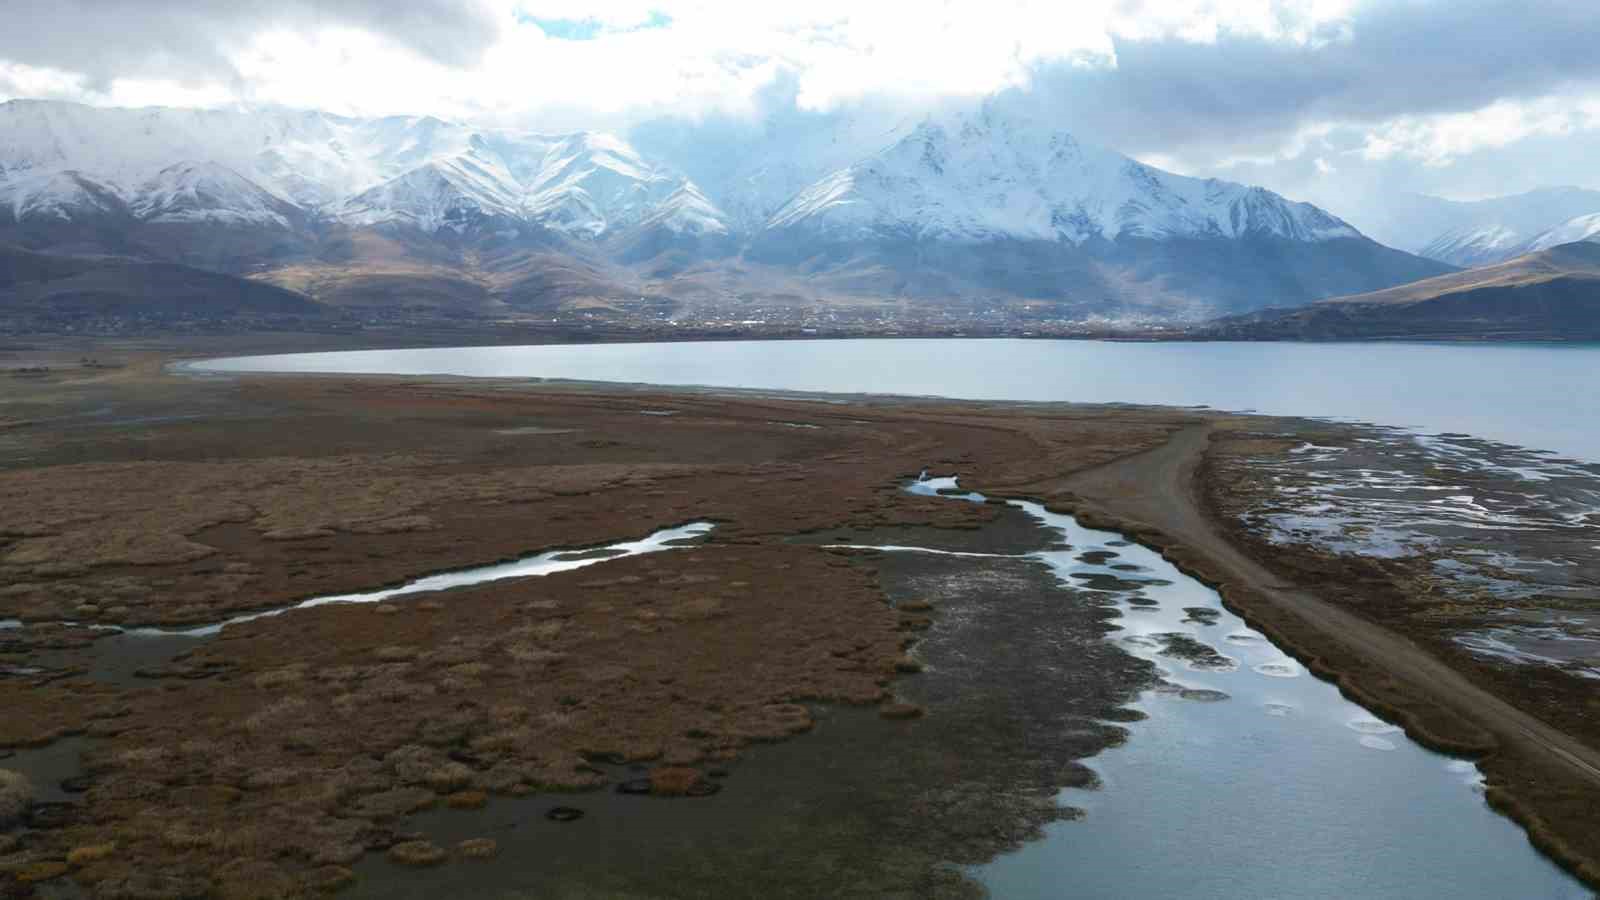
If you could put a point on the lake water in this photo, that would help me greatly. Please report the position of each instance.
(1541, 396)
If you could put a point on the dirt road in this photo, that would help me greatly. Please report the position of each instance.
(1159, 488)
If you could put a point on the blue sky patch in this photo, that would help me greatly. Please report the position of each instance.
(589, 29)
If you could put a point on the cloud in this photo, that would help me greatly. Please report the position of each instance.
(1240, 93)
(1305, 96)
(194, 40)
(535, 55)
(1439, 140)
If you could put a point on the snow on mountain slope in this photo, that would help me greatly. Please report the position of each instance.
(431, 197)
(754, 166)
(1478, 232)
(1475, 245)
(421, 172)
(453, 192)
(58, 197)
(851, 194)
(210, 193)
(687, 211)
(591, 183)
(987, 175)
(1582, 228)
(1486, 245)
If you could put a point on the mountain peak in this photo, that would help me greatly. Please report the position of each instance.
(979, 176)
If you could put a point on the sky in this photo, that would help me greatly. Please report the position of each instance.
(1341, 102)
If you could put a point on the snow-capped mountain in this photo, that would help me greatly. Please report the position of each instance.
(1475, 245)
(210, 193)
(1486, 245)
(1482, 232)
(985, 176)
(1581, 228)
(941, 207)
(262, 166)
(57, 197)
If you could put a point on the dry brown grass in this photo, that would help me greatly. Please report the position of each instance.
(16, 792)
(89, 853)
(466, 800)
(417, 853)
(329, 879)
(41, 871)
(675, 781)
(69, 523)
(900, 711)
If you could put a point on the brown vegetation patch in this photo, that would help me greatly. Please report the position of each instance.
(901, 711)
(16, 792)
(478, 848)
(677, 781)
(417, 853)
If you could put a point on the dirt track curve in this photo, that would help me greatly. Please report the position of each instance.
(1158, 487)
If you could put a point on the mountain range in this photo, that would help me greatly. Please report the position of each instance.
(981, 206)
(1485, 232)
(1547, 294)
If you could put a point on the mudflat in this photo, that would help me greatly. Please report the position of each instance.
(297, 753)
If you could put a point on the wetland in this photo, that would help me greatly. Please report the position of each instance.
(846, 676)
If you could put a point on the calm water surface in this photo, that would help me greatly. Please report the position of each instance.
(1540, 396)
(1284, 789)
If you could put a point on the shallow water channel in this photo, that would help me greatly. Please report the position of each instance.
(1272, 785)
(121, 655)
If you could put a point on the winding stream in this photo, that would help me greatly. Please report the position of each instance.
(1251, 778)
(541, 564)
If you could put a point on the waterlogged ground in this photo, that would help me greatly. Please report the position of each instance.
(276, 756)
(1502, 542)
(1035, 767)
(1016, 684)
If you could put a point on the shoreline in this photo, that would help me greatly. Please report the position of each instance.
(1094, 490)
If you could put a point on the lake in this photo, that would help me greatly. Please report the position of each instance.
(1539, 396)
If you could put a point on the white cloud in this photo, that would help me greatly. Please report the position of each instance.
(694, 55)
(1438, 140)
(38, 82)
(1300, 95)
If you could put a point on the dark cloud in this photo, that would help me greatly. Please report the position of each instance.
(1401, 57)
(187, 40)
